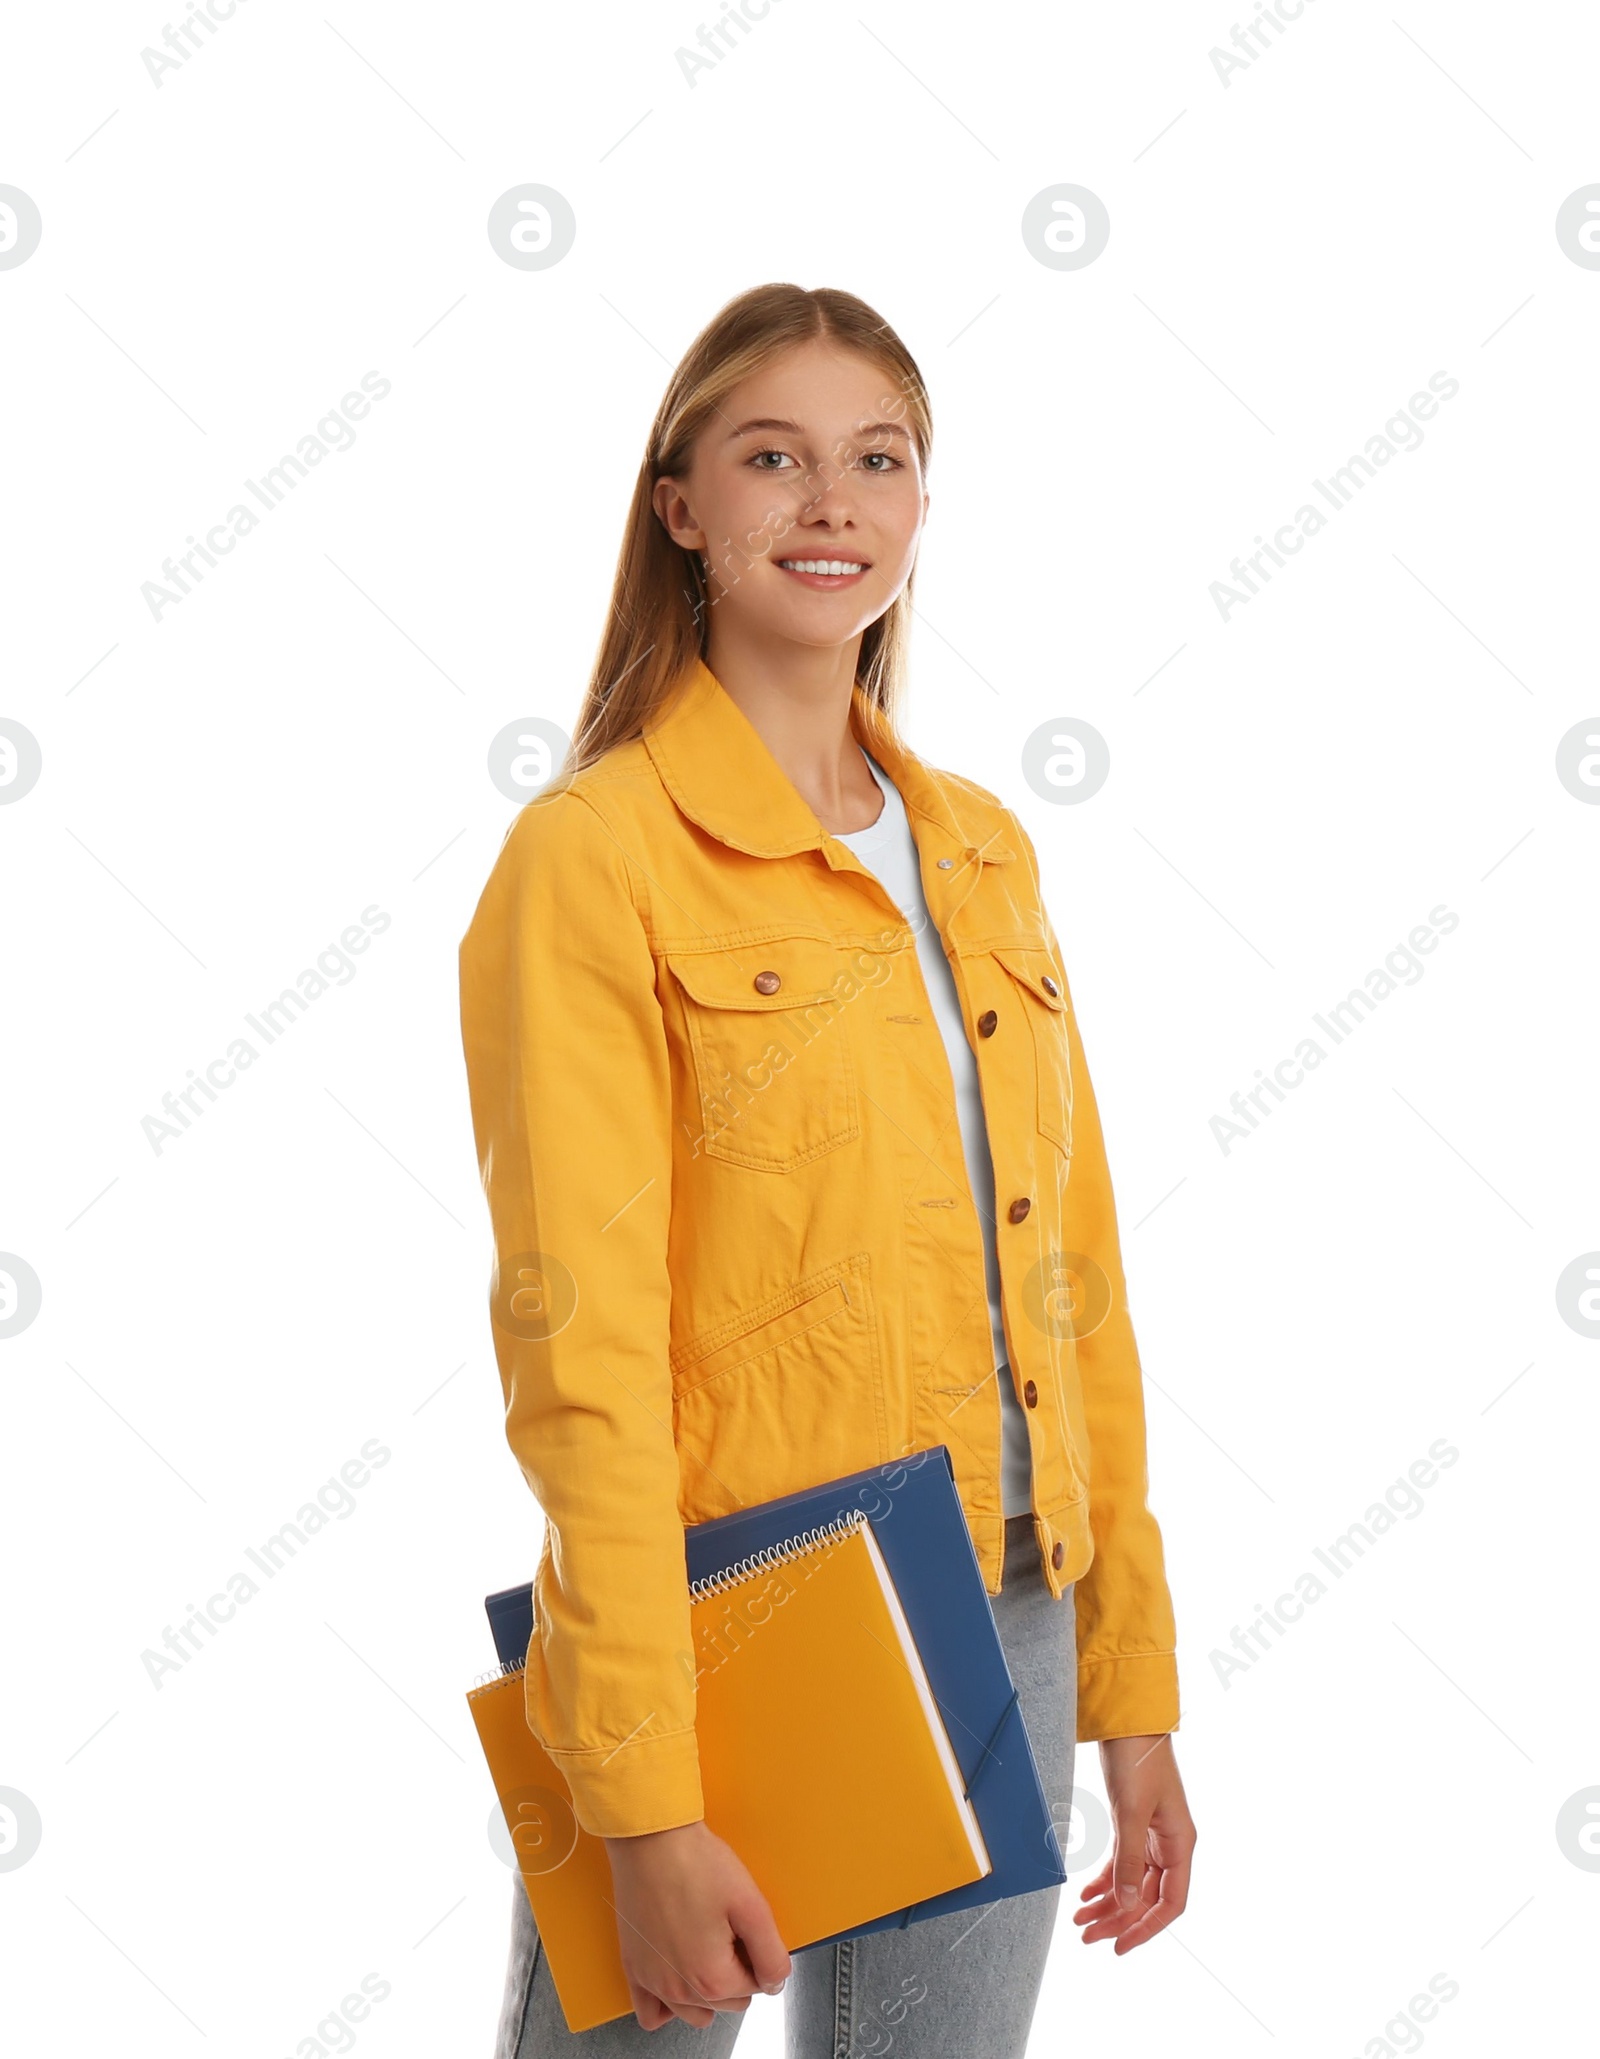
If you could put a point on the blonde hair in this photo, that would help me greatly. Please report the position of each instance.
(660, 599)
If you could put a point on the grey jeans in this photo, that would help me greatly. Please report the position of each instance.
(943, 1988)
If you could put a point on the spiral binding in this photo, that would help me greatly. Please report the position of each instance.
(501, 1672)
(842, 1526)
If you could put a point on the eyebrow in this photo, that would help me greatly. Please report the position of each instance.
(768, 422)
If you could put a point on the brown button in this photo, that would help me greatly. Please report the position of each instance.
(1030, 1394)
(767, 982)
(1049, 985)
(1018, 1208)
(1058, 1555)
(987, 1022)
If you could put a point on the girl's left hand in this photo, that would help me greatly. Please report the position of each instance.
(1145, 1882)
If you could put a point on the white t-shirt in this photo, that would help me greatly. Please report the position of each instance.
(888, 848)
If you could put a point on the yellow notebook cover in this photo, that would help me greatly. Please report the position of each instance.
(824, 1763)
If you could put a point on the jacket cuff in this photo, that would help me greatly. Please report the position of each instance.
(1127, 1697)
(626, 1790)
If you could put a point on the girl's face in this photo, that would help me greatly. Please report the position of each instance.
(810, 462)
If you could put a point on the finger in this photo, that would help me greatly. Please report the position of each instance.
(729, 2005)
(1154, 1915)
(760, 1947)
(1129, 1862)
(1098, 1885)
(726, 1985)
(695, 2007)
(1110, 1917)
(1102, 1912)
(1104, 1904)
(651, 2011)
(1169, 1905)
(1102, 1887)
(1109, 1921)
(703, 1999)
(692, 2013)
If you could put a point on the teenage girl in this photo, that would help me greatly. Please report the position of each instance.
(794, 1168)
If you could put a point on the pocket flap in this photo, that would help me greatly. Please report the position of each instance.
(808, 970)
(1033, 968)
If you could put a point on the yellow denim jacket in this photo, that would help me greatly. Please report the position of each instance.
(736, 1246)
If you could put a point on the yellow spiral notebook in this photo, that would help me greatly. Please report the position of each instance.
(824, 1763)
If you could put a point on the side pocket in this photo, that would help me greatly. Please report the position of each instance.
(784, 1396)
(705, 1362)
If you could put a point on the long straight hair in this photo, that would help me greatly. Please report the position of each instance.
(661, 599)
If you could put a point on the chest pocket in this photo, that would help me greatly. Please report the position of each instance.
(1041, 997)
(770, 1048)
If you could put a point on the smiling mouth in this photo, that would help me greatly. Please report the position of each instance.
(826, 573)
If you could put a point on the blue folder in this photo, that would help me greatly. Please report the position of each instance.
(917, 1519)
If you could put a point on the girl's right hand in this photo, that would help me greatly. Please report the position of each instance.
(696, 1932)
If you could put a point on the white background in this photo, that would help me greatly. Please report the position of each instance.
(227, 1320)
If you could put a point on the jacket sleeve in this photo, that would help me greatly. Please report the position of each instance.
(1127, 1663)
(566, 1059)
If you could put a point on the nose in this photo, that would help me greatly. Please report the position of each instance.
(827, 495)
(826, 520)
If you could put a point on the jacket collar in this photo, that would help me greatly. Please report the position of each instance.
(714, 764)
